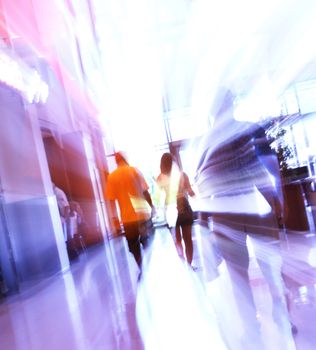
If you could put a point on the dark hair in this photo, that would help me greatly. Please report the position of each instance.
(166, 163)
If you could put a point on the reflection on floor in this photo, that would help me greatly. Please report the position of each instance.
(100, 304)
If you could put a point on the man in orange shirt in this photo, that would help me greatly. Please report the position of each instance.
(127, 186)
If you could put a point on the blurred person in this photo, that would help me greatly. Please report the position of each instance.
(77, 225)
(176, 184)
(65, 216)
(63, 207)
(243, 192)
(128, 187)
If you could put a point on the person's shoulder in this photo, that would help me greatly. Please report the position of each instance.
(185, 177)
(162, 179)
(183, 174)
(59, 191)
(159, 177)
(115, 174)
(133, 170)
(112, 174)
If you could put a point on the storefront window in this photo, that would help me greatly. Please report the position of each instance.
(289, 102)
(306, 93)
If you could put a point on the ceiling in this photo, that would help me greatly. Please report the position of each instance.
(176, 51)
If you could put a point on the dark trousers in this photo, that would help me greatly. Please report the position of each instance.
(137, 234)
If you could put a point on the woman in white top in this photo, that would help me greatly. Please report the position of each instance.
(177, 188)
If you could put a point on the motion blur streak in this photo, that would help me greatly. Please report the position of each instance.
(248, 44)
(173, 311)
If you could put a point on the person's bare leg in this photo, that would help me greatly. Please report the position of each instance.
(179, 241)
(187, 237)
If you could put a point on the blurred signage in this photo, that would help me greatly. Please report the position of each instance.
(23, 79)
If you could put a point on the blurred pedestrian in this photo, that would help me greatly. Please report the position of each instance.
(244, 197)
(128, 187)
(64, 212)
(63, 207)
(177, 188)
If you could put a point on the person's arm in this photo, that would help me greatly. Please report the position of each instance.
(187, 185)
(145, 188)
(148, 198)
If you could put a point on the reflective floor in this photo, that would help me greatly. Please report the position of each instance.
(101, 303)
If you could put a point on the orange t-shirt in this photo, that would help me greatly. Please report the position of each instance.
(126, 185)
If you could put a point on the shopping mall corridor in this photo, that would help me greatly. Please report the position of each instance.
(102, 302)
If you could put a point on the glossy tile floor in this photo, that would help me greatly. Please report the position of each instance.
(100, 303)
